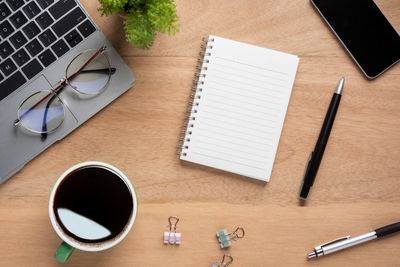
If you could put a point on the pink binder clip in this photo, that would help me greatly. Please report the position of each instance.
(172, 237)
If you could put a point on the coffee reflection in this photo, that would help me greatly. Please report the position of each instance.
(81, 226)
(93, 204)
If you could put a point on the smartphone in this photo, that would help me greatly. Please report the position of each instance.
(364, 31)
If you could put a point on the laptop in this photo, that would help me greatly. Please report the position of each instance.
(38, 40)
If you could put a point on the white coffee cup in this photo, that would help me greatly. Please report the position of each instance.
(69, 242)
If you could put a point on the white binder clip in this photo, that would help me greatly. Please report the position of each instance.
(172, 237)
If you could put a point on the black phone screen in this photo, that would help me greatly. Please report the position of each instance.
(365, 32)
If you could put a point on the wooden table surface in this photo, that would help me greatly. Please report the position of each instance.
(358, 184)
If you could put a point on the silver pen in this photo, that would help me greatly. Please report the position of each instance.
(347, 241)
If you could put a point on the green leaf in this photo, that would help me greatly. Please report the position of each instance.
(144, 19)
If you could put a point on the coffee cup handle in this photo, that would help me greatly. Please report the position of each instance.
(63, 252)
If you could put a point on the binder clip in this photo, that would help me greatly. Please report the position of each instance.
(225, 239)
(223, 263)
(172, 237)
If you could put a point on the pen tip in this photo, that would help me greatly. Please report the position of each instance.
(311, 255)
(339, 88)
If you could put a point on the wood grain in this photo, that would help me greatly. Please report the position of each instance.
(357, 189)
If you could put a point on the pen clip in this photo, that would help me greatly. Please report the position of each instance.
(305, 172)
(334, 241)
(307, 166)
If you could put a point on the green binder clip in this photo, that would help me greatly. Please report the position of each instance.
(225, 239)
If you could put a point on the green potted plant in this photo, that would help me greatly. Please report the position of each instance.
(143, 19)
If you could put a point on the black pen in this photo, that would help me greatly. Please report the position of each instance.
(316, 156)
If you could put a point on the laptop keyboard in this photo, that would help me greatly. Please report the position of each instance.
(33, 34)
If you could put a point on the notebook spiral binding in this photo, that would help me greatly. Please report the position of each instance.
(197, 90)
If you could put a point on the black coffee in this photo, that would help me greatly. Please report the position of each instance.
(93, 204)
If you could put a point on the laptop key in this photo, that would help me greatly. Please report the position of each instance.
(45, 3)
(1, 77)
(21, 57)
(8, 67)
(18, 19)
(44, 20)
(31, 30)
(4, 11)
(5, 49)
(60, 48)
(32, 68)
(6, 29)
(31, 9)
(11, 84)
(73, 38)
(18, 40)
(34, 47)
(47, 57)
(61, 7)
(47, 38)
(86, 28)
(15, 4)
(68, 22)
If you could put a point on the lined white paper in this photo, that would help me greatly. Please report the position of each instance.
(239, 116)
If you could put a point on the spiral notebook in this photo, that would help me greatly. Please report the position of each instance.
(238, 107)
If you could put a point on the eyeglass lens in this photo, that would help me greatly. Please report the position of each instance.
(42, 112)
(93, 78)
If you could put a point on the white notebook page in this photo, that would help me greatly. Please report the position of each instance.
(239, 116)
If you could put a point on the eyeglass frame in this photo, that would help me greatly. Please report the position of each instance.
(60, 85)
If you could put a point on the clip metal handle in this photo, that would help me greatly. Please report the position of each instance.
(238, 233)
(223, 263)
(173, 225)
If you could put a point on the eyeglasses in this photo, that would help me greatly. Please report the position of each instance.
(88, 73)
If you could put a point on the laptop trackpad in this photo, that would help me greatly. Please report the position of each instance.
(17, 145)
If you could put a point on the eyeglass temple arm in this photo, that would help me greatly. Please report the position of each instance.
(111, 70)
(44, 124)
